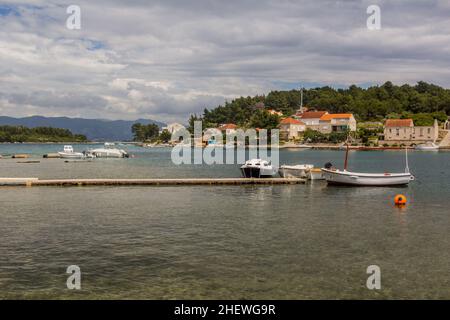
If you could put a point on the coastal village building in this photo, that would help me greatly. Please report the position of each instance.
(325, 122)
(173, 128)
(211, 135)
(291, 128)
(312, 119)
(337, 122)
(228, 128)
(275, 112)
(301, 111)
(398, 131)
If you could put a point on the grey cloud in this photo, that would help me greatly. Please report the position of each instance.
(48, 99)
(210, 51)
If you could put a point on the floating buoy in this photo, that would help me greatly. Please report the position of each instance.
(400, 200)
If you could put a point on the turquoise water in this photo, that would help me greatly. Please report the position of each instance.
(223, 242)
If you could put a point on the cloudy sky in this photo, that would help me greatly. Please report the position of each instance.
(166, 59)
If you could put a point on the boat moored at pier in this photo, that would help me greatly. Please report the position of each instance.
(338, 177)
(295, 171)
(344, 177)
(258, 168)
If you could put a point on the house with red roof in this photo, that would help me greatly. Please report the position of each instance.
(404, 131)
(337, 122)
(291, 129)
(325, 122)
(311, 118)
(228, 128)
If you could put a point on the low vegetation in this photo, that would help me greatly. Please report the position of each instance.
(38, 134)
(149, 133)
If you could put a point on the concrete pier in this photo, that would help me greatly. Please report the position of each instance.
(31, 182)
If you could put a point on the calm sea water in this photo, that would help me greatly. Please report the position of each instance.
(223, 242)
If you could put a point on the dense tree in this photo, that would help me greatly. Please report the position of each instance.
(144, 132)
(38, 134)
(371, 104)
(165, 136)
(264, 120)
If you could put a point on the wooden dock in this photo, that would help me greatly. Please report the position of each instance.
(31, 182)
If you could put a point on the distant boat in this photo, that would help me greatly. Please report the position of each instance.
(68, 153)
(108, 151)
(257, 168)
(335, 176)
(296, 171)
(429, 146)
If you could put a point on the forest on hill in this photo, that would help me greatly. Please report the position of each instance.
(38, 134)
(423, 102)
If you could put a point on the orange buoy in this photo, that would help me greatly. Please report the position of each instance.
(400, 200)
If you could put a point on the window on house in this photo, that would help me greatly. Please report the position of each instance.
(397, 132)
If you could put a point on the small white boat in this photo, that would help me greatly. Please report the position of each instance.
(68, 153)
(315, 174)
(344, 177)
(296, 171)
(108, 151)
(334, 176)
(257, 168)
(429, 146)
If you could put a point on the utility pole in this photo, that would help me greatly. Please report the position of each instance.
(301, 100)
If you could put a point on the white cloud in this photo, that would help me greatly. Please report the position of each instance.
(167, 59)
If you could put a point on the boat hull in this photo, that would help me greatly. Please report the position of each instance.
(337, 177)
(292, 172)
(252, 172)
(74, 155)
(425, 148)
(315, 174)
(105, 153)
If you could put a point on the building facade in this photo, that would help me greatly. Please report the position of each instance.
(173, 128)
(337, 122)
(404, 131)
(228, 128)
(291, 129)
(312, 119)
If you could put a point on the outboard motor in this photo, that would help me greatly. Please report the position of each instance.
(328, 165)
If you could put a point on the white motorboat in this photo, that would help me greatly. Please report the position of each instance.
(257, 168)
(68, 153)
(108, 151)
(344, 177)
(296, 171)
(429, 146)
